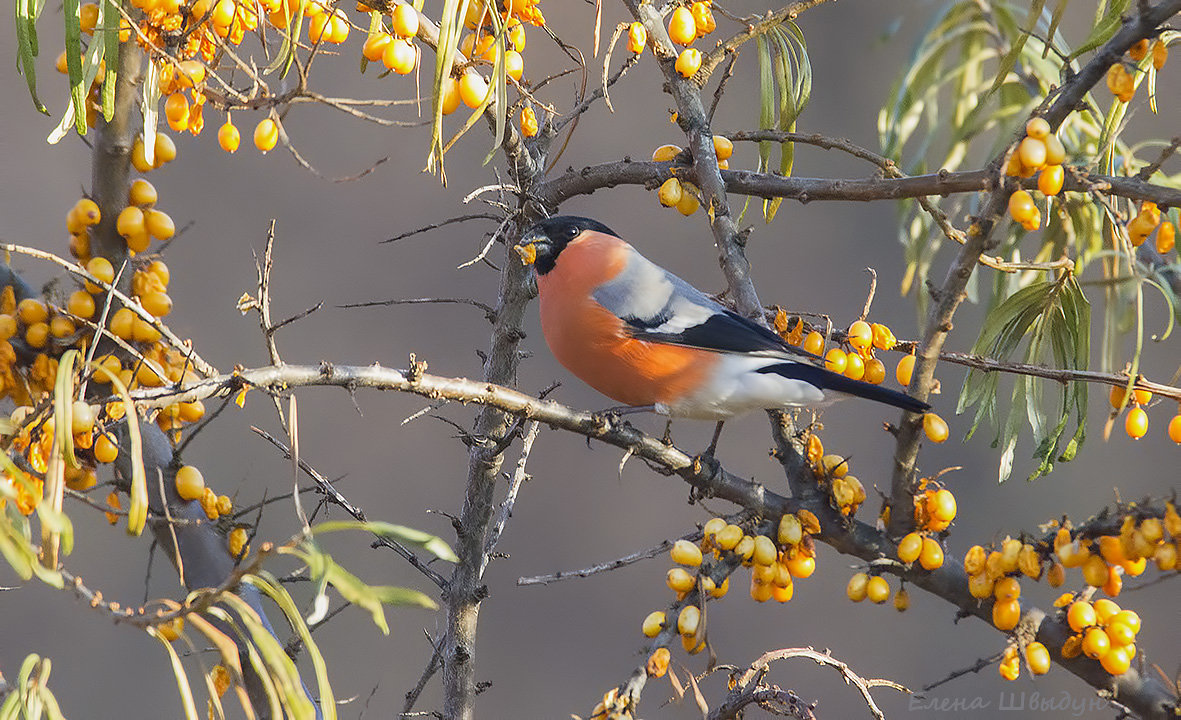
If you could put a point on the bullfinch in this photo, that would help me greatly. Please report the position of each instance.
(644, 337)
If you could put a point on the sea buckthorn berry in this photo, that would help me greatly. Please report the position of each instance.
(1029, 562)
(1119, 634)
(37, 335)
(142, 193)
(1129, 618)
(1136, 423)
(813, 448)
(974, 560)
(883, 337)
(190, 484)
(528, 122)
(856, 590)
(860, 335)
(935, 427)
(665, 153)
(1021, 206)
(1037, 128)
(159, 224)
(1139, 51)
(165, 149)
(1080, 615)
(176, 109)
(237, 542)
(689, 620)
(1006, 614)
(1117, 660)
(980, 585)
(764, 574)
(130, 222)
(670, 192)
(8, 326)
(719, 591)
(400, 56)
(1049, 182)
(1160, 54)
(836, 360)
(87, 211)
(902, 600)
(783, 593)
(685, 553)
(905, 370)
(473, 88)
(941, 505)
(1096, 643)
(114, 502)
(1055, 151)
(728, 537)
(834, 465)
(653, 624)
(31, 310)
(266, 135)
(139, 158)
(1141, 396)
(1095, 571)
(814, 343)
(637, 37)
(688, 62)
(1033, 152)
(81, 304)
(229, 137)
(105, 450)
(1166, 237)
(745, 549)
(514, 64)
(723, 147)
(1010, 665)
(703, 18)
(931, 556)
(877, 590)
(910, 547)
(449, 98)
(689, 202)
(801, 566)
(61, 326)
(224, 505)
(854, 366)
(1007, 588)
(681, 28)
(405, 21)
(760, 592)
(791, 531)
(375, 45)
(875, 371)
(1165, 557)
(157, 303)
(1056, 576)
(1105, 610)
(1037, 657)
(711, 529)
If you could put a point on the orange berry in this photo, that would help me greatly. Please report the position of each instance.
(670, 192)
(681, 27)
(1080, 615)
(814, 343)
(31, 310)
(875, 371)
(1049, 182)
(1160, 54)
(905, 370)
(1139, 51)
(910, 547)
(159, 224)
(854, 367)
(400, 56)
(190, 484)
(450, 97)
(514, 64)
(473, 88)
(1096, 643)
(405, 20)
(931, 556)
(105, 450)
(1117, 660)
(1032, 152)
(1055, 151)
(877, 589)
(165, 149)
(860, 335)
(1166, 236)
(528, 122)
(101, 269)
(266, 135)
(87, 211)
(935, 427)
(237, 542)
(81, 304)
(723, 147)
(1037, 128)
(688, 61)
(142, 193)
(228, 136)
(1006, 614)
(1136, 423)
(637, 37)
(1007, 588)
(176, 108)
(1037, 657)
(836, 360)
(1021, 206)
(375, 45)
(37, 335)
(703, 18)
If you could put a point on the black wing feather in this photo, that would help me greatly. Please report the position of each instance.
(724, 331)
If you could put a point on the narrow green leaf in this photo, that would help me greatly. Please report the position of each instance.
(269, 585)
(279, 665)
(108, 26)
(1009, 61)
(1104, 28)
(26, 41)
(400, 533)
(73, 20)
(137, 508)
(178, 672)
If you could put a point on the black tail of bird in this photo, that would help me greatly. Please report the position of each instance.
(828, 380)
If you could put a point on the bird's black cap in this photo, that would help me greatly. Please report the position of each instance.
(551, 235)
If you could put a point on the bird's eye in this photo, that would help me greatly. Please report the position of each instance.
(572, 231)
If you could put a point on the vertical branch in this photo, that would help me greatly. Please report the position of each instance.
(692, 117)
(111, 164)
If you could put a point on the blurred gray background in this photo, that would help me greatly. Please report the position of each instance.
(547, 651)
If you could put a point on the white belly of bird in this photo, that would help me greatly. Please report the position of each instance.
(736, 387)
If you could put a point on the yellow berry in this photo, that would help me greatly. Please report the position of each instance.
(653, 624)
(1080, 615)
(238, 538)
(637, 37)
(1117, 660)
(1021, 206)
(165, 149)
(680, 580)
(681, 27)
(473, 88)
(875, 372)
(910, 547)
(689, 620)
(1160, 54)
(905, 370)
(228, 137)
(1096, 643)
(1032, 152)
(665, 153)
(142, 193)
(877, 590)
(857, 589)
(686, 553)
(1037, 657)
(1006, 614)
(931, 556)
(405, 21)
(37, 335)
(935, 427)
(31, 310)
(980, 585)
(1007, 588)
(836, 360)
(814, 343)
(266, 135)
(723, 147)
(670, 192)
(688, 61)
(190, 484)
(1136, 423)
(1049, 182)
(1037, 128)
(105, 450)
(974, 560)
(159, 224)
(688, 203)
(860, 335)
(1166, 237)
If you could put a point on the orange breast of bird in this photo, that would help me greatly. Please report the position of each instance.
(591, 342)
